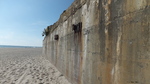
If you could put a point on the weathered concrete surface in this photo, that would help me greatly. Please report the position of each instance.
(113, 46)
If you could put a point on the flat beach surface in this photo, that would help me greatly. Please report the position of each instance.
(27, 66)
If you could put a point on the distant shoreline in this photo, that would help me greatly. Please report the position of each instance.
(13, 46)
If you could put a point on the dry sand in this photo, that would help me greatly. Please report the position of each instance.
(27, 66)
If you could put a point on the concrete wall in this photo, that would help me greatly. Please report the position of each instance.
(113, 46)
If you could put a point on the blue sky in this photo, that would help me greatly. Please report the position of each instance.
(22, 21)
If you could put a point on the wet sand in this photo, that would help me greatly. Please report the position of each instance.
(27, 66)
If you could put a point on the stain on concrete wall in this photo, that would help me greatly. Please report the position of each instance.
(112, 47)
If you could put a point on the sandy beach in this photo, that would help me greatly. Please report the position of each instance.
(27, 66)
